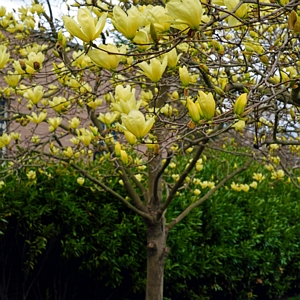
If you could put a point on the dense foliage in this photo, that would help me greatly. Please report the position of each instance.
(71, 241)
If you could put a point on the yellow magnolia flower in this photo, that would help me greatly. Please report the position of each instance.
(74, 123)
(2, 184)
(102, 57)
(188, 12)
(158, 17)
(12, 79)
(136, 124)
(35, 139)
(173, 58)
(127, 24)
(131, 138)
(142, 41)
(4, 140)
(68, 152)
(4, 57)
(197, 192)
(185, 77)
(193, 109)
(54, 123)
(2, 11)
(124, 157)
(94, 104)
(207, 105)
(253, 184)
(126, 106)
(155, 69)
(85, 136)
(31, 175)
(35, 94)
(86, 30)
(240, 104)
(80, 180)
(37, 118)
(108, 118)
(258, 176)
(279, 175)
(239, 126)
(59, 104)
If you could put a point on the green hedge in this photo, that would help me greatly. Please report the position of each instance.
(236, 245)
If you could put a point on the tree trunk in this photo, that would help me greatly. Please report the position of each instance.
(157, 253)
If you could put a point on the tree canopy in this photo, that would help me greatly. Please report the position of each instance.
(179, 76)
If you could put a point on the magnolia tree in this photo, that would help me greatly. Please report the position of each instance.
(182, 75)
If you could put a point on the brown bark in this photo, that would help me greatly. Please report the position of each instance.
(157, 253)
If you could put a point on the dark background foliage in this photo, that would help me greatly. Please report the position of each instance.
(61, 240)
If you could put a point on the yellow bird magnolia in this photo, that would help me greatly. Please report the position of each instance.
(35, 94)
(135, 123)
(12, 79)
(54, 123)
(185, 77)
(86, 30)
(127, 24)
(155, 69)
(187, 12)
(193, 110)
(37, 118)
(207, 105)
(103, 58)
(4, 57)
(240, 104)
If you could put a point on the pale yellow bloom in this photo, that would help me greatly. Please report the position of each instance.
(85, 136)
(135, 123)
(74, 123)
(35, 139)
(193, 109)
(35, 94)
(207, 105)
(37, 118)
(127, 24)
(80, 180)
(5, 140)
(158, 17)
(173, 58)
(253, 184)
(239, 126)
(2, 184)
(235, 187)
(278, 175)
(4, 56)
(103, 58)
(184, 75)
(31, 175)
(244, 187)
(108, 118)
(258, 176)
(126, 106)
(12, 79)
(2, 11)
(240, 104)
(68, 152)
(141, 39)
(197, 192)
(188, 12)
(95, 103)
(124, 157)
(59, 104)
(175, 177)
(131, 138)
(54, 123)
(86, 30)
(155, 69)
